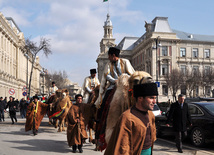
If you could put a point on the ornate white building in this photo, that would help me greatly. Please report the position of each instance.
(161, 49)
(15, 64)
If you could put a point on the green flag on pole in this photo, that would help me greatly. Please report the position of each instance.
(105, 0)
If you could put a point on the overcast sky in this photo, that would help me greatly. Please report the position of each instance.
(75, 27)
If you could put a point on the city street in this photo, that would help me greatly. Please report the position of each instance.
(14, 140)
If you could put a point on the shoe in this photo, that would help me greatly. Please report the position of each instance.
(12, 122)
(74, 147)
(80, 150)
(180, 151)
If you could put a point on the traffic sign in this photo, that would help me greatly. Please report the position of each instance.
(24, 88)
(11, 91)
(24, 93)
(158, 84)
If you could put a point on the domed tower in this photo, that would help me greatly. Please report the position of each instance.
(106, 42)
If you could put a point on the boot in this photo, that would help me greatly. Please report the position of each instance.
(74, 147)
(80, 148)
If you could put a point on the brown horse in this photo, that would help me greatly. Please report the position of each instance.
(123, 98)
(90, 113)
(60, 108)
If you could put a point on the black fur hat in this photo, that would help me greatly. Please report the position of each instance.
(78, 95)
(93, 71)
(114, 50)
(146, 89)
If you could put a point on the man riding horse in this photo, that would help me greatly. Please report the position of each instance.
(90, 83)
(113, 69)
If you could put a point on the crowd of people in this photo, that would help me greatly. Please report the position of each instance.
(12, 106)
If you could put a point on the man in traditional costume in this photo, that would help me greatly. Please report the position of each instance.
(53, 89)
(135, 131)
(76, 130)
(90, 83)
(35, 113)
(113, 69)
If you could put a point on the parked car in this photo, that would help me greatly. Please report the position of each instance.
(156, 110)
(202, 115)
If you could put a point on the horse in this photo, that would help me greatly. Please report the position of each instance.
(60, 108)
(122, 100)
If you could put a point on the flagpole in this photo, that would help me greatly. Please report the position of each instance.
(108, 6)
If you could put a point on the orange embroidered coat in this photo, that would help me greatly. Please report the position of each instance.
(129, 135)
(35, 113)
(76, 130)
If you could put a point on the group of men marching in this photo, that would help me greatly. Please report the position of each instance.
(135, 130)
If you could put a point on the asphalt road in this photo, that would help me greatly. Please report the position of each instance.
(15, 141)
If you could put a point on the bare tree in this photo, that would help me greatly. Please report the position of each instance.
(207, 79)
(174, 81)
(192, 80)
(31, 47)
(59, 77)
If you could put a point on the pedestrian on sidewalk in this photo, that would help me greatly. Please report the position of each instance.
(179, 114)
(2, 109)
(12, 109)
(23, 107)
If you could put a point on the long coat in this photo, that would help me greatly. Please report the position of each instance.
(76, 130)
(36, 116)
(125, 66)
(129, 135)
(180, 116)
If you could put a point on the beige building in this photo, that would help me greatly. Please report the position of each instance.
(161, 49)
(15, 64)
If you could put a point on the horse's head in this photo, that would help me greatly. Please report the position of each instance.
(62, 93)
(138, 77)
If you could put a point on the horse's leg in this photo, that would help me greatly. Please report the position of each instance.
(56, 123)
(50, 122)
(60, 126)
(90, 135)
(63, 124)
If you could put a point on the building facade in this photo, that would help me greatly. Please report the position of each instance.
(161, 49)
(15, 63)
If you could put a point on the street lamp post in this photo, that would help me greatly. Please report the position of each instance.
(157, 41)
(26, 54)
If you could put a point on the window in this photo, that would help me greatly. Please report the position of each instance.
(182, 52)
(195, 69)
(183, 69)
(194, 110)
(207, 53)
(195, 52)
(164, 51)
(206, 70)
(164, 69)
(165, 90)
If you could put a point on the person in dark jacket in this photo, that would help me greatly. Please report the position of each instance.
(23, 107)
(12, 109)
(2, 109)
(180, 114)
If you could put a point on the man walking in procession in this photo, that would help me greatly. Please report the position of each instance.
(76, 130)
(135, 131)
(35, 113)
